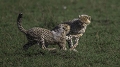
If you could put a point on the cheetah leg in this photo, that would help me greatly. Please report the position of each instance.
(69, 41)
(43, 43)
(62, 46)
(43, 46)
(49, 49)
(75, 45)
(28, 44)
(77, 40)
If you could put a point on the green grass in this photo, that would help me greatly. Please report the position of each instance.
(98, 47)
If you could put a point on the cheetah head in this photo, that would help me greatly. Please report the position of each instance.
(65, 27)
(85, 19)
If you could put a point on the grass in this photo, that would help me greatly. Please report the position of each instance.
(98, 47)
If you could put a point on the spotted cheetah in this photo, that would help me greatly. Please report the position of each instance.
(77, 29)
(43, 37)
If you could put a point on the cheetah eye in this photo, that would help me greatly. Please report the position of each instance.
(63, 28)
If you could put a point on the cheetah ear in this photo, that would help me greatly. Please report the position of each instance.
(79, 16)
(89, 17)
(61, 26)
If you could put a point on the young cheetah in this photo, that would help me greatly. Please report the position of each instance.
(77, 29)
(43, 37)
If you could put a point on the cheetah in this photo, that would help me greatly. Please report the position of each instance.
(43, 37)
(77, 29)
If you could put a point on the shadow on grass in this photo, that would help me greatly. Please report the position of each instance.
(55, 53)
(29, 53)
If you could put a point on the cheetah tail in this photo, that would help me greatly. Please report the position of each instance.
(19, 23)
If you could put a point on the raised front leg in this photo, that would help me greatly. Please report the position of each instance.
(76, 40)
(69, 41)
(76, 43)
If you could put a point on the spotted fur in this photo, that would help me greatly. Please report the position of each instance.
(77, 29)
(43, 37)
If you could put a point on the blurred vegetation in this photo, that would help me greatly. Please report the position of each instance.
(98, 47)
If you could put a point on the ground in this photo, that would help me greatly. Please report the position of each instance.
(98, 47)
